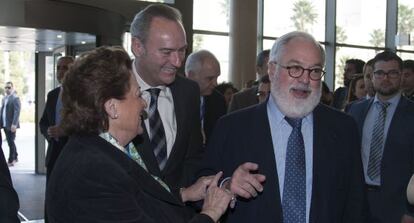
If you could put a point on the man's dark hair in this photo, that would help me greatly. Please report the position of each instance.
(359, 64)
(260, 60)
(388, 56)
(408, 64)
(264, 79)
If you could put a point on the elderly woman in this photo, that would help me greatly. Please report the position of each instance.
(100, 176)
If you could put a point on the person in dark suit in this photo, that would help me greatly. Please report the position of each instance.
(386, 127)
(100, 175)
(352, 66)
(9, 202)
(171, 142)
(248, 97)
(50, 120)
(204, 68)
(9, 120)
(309, 173)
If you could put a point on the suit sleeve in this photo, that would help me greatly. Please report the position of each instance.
(16, 114)
(44, 120)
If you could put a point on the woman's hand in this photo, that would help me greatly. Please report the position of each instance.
(216, 200)
(197, 191)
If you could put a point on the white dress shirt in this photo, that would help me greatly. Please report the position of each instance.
(165, 109)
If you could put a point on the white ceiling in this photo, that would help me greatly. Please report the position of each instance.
(42, 40)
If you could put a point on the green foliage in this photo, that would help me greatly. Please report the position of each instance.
(197, 42)
(405, 19)
(304, 15)
(377, 38)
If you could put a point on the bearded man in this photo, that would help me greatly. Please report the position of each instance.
(290, 159)
(386, 127)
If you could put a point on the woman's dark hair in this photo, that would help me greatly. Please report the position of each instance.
(352, 87)
(93, 78)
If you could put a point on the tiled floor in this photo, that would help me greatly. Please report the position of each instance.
(29, 186)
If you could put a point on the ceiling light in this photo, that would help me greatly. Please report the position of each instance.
(50, 48)
(83, 42)
(59, 36)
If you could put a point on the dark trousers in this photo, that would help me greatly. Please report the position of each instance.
(10, 137)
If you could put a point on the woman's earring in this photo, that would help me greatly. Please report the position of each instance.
(115, 116)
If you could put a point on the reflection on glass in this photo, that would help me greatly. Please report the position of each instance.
(345, 53)
(211, 15)
(361, 22)
(303, 15)
(219, 46)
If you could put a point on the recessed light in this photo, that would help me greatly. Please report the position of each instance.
(50, 48)
(59, 36)
(83, 42)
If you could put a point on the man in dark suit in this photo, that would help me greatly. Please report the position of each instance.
(386, 126)
(203, 67)
(10, 113)
(50, 120)
(308, 173)
(248, 97)
(171, 143)
(9, 202)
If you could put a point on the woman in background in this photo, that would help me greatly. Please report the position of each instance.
(100, 176)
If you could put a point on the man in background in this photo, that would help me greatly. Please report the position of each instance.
(248, 97)
(204, 68)
(50, 121)
(386, 127)
(407, 79)
(10, 114)
(352, 66)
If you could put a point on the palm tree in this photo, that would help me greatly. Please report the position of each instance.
(304, 15)
(377, 38)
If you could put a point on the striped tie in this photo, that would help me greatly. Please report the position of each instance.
(294, 189)
(377, 141)
(157, 137)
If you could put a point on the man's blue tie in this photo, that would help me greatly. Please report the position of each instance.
(377, 141)
(157, 138)
(294, 189)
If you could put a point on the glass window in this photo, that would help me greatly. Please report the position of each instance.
(219, 46)
(211, 15)
(281, 17)
(268, 43)
(405, 25)
(361, 22)
(406, 56)
(345, 53)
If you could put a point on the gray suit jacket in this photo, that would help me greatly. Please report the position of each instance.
(12, 111)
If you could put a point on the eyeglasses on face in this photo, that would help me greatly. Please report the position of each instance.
(7, 87)
(390, 74)
(297, 71)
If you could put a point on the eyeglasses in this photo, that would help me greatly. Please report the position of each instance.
(297, 71)
(390, 74)
(7, 87)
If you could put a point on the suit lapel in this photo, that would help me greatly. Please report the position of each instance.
(138, 174)
(179, 110)
(266, 158)
(323, 139)
(143, 145)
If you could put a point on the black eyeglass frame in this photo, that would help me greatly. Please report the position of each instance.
(393, 74)
(301, 70)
